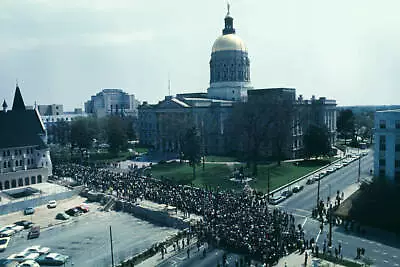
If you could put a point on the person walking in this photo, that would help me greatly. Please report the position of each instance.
(305, 258)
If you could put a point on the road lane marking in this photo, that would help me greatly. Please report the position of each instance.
(302, 226)
(316, 239)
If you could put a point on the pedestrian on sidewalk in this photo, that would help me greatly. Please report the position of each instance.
(162, 252)
(305, 258)
(183, 243)
(188, 253)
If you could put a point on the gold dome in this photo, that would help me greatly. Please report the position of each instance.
(229, 42)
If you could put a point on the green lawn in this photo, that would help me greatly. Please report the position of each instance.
(220, 159)
(283, 174)
(217, 175)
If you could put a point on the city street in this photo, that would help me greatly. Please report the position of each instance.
(87, 240)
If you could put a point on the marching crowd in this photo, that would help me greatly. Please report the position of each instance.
(239, 222)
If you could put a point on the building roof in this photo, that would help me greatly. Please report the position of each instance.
(20, 127)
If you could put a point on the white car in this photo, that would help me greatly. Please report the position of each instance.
(17, 228)
(29, 263)
(7, 232)
(330, 170)
(37, 249)
(20, 257)
(4, 243)
(52, 204)
(276, 200)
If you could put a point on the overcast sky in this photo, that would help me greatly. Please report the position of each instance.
(65, 51)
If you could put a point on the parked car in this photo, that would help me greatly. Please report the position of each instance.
(82, 208)
(8, 263)
(4, 243)
(287, 193)
(29, 211)
(7, 233)
(330, 170)
(23, 256)
(38, 249)
(311, 180)
(26, 224)
(297, 188)
(34, 232)
(52, 204)
(276, 200)
(52, 259)
(62, 216)
(29, 263)
(73, 212)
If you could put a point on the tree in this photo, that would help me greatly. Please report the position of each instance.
(316, 141)
(81, 135)
(191, 148)
(262, 128)
(345, 123)
(116, 134)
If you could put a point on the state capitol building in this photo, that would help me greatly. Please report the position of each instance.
(161, 125)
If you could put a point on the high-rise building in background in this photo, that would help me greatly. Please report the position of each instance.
(24, 154)
(387, 144)
(112, 102)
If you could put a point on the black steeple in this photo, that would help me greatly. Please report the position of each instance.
(228, 23)
(18, 103)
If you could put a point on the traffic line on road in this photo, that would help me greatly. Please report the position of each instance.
(304, 222)
(319, 233)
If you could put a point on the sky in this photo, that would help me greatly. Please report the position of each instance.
(64, 51)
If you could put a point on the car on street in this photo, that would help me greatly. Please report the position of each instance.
(276, 200)
(29, 263)
(29, 211)
(62, 216)
(26, 224)
(338, 165)
(52, 204)
(73, 212)
(82, 208)
(310, 180)
(288, 193)
(52, 259)
(330, 170)
(8, 263)
(23, 256)
(38, 249)
(34, 232)
(297, 188)
(4, 243)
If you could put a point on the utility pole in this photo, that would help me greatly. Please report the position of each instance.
(112, 251)
(330, 225)
(318, 193)
(359, 168)
(268, 186)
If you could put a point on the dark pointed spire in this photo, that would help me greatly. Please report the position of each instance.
(228, 22)
(5, 105)
(18, 103)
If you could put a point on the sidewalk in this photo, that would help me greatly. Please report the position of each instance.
(298, 260)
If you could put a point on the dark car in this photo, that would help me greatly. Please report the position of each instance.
(34, 232)
(82, 209)
(287, 194)
(26, 224)
(73, 212)
(29, 211)
(297, 188)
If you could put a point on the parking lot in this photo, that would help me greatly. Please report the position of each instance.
(86, 239)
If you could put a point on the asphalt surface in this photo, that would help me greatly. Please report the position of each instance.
(87, 240)
(302, 203)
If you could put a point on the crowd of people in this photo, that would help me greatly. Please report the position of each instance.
(239, 222)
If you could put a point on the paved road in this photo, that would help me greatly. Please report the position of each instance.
(382, 248)
(303, 202)
(87, 241)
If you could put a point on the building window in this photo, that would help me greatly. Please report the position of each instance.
(397, 124)
(13, 183)
(33, 180)
(16, 163)
(20, 182)
(15, 152)
(26, 180)
(4, 153)
(5, 164)
(382, 162)
(397, 163)
(9, 164)
(20, 162)
(397, 147)
(382, 143)
(7, 185)
(39, 179)
(8, 152)
(382, 124)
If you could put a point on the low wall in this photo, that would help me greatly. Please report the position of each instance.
(33, 202)
(153, 216)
